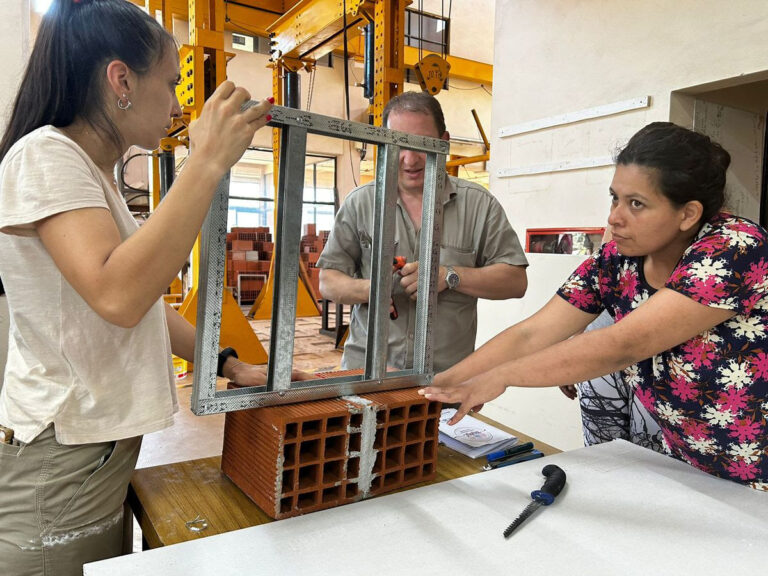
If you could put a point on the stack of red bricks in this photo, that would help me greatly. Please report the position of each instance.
(312, 245)
(249, 252)
(298, 458)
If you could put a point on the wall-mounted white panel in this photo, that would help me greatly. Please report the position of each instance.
(555, 166)
(578, 116)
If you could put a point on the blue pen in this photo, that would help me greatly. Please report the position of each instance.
(517, 459)
(509, 451)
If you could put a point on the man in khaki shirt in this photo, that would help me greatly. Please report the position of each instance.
(480, 255)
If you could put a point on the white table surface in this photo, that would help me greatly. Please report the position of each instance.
(624, 510)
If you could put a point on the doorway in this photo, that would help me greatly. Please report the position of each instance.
(733, 112)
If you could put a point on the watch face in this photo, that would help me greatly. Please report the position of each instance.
(452, 279)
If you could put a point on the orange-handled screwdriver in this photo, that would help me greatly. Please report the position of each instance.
(397, 263)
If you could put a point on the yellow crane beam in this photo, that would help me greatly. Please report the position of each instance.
(313, 28)
(460, 67)
(244, 16)
(309, 29)
(452, 166)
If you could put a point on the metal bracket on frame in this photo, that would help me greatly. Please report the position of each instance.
(294, 126)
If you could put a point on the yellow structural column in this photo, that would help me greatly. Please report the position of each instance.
(389, 22)
(206, 37)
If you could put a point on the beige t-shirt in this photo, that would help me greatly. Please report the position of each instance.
(93, 380)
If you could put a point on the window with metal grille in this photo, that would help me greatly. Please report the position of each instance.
(251, 200)
(427, 31)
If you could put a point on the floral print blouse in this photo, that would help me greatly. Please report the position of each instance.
(709, 394)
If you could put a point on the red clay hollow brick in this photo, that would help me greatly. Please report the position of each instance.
(298, 458)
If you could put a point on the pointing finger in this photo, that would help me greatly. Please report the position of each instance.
(462, 411)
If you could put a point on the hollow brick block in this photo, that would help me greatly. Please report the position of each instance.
(298, 458)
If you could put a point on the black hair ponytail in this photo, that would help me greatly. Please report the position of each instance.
(64, 78)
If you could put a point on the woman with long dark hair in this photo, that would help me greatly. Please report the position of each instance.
(89, 361)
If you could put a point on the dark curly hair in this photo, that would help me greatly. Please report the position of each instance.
(687, 165)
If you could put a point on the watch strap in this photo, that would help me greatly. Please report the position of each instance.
(223, 355)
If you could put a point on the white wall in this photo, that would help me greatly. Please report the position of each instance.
(14, 50)
(457, 103)
(561, 56)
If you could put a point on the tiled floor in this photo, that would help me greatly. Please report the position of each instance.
(193, 437)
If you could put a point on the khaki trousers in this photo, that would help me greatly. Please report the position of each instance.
(62, 506)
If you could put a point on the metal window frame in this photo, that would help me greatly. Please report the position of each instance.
(313, 203)
(294, 127)
(415, 13)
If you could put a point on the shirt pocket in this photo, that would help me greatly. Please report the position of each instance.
(366, 247)
(365, 240)
(450, 256)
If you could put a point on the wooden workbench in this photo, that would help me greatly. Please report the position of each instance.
(165, 498)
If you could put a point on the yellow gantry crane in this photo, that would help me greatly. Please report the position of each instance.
(307, 32)
(203, 67)
(301, 31)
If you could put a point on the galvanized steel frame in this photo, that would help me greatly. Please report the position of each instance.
(294, 127)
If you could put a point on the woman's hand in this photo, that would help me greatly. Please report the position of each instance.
(224, 130)
(470, 394)
(298, 375)
(244, 374)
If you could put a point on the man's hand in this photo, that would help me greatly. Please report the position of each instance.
(410, 279)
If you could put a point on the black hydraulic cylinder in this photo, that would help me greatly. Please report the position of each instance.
(292, 89)
(368, 58)
(167, 165)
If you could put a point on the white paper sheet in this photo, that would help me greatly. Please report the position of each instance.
(471, 436)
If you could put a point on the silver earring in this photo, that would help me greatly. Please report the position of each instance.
(123, 103)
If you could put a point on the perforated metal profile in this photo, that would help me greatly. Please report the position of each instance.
(294, 126)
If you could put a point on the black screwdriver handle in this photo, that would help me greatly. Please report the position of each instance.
(555, 480)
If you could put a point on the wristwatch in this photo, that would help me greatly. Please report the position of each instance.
(451, 278)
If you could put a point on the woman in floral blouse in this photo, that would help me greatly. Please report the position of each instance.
(686, 284)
